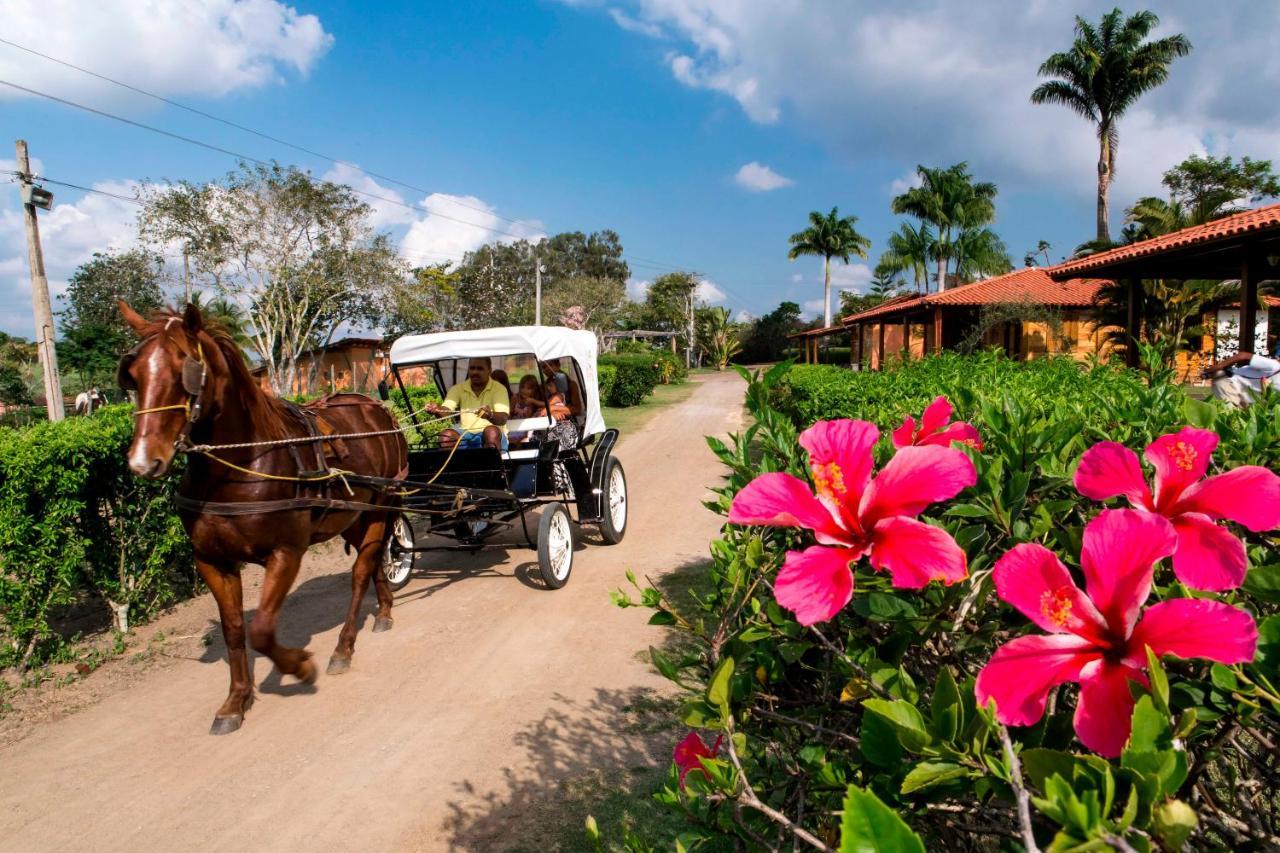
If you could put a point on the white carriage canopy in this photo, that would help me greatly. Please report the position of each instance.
(543, 342)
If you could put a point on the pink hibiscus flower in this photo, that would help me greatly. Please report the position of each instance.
(936, 428)
(853, 515)
(689, 750)
(1208, 556)
(1098, 638)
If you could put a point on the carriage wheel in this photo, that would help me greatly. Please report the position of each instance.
(397, 563)
(555, 545)
(613, 518)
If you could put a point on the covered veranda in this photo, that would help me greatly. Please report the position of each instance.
(810, 340)
(1245, 246)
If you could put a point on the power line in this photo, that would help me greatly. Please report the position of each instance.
(246, 129)
(245, 157)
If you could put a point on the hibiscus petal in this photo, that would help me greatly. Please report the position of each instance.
(1108, 469)
(914, 478)
(1209, 557)
(1121, 548)
(1021, 673)
(1195, 628)
(915, 553)
(1248, 495)
(1180, 459)
(904, 436)
(781, 500)
(960, 431)
(936, 415)
(1104, 711)
(816, 582)
(1031, 578)
(847, 446)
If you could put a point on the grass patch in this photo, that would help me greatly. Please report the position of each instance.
(631, 418)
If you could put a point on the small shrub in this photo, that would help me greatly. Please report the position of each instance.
(606, 376)
(74, 520)
(636, 377)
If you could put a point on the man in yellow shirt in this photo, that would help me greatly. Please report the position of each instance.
(483, 408)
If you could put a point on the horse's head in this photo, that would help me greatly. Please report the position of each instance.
(170, 371)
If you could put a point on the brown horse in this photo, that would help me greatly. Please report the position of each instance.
(193, 388)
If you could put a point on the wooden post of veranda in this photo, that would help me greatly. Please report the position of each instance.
(40, 296)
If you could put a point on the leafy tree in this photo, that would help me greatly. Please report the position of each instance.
(766, 339)
(666, 304)
(958, 209)
(719, 339)
(851, 302)
(829, 236)
(1202, 189)
(594, 302)
(297, 255)
(1042, 249)
(427, 304)
(93, 334)
(910, 249)
(1106, 70)
(224, 314)
(13, 387)
(576, 255)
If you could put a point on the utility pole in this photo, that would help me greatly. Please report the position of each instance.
(40, 289)
(538, 270)
(688, 350)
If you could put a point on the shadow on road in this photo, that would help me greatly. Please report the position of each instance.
(604, 757)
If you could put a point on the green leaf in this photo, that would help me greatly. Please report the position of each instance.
(1148, 726)
(697, 714)
(906, 720)
(1040, 764)
(879, 742)
(928, 773)
(945, 708)
(718, 690)
(1263, 582)
(1199, 413)
(1174, 821)
(884, 607)
(1223, 678)
(1268, 658)
(1159, 681)
(663, 664)
(662, 617)
(869, 826)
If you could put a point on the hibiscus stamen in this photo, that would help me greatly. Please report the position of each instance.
(1183, 455)
(829, 480)
(1057, 605)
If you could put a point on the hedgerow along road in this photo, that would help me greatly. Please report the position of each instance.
(454, 730)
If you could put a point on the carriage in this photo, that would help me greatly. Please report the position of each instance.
(462, 499)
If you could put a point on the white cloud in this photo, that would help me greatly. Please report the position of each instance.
(454, 225)
(637, 289)
(911, 180)
(850, 276)
(632, 25)
(796, 278)
(708, 292)
(199, 47)
(759, 178)
(937, 83)
(744, 316)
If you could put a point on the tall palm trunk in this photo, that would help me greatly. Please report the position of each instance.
(1105, 159)
(826, 290)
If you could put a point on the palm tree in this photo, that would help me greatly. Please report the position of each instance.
(1106, 70)
(910, 250)
(979, 252)
(830, 236)
(225, 314)
(950, 201)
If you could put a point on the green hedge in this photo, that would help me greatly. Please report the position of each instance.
(419, 396)
(606, 376)
(636, 377)
(75, 525)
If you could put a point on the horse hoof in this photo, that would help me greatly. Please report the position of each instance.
(306, 672)
(337, 665)
(226, 725)
(382, 623)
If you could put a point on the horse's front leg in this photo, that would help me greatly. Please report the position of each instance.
(368, 537)
(281, 570)
(224, 583)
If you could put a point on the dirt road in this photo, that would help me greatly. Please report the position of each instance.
(448, 731)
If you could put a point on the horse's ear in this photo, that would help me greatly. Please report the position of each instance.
(191, 318)
(133, 318)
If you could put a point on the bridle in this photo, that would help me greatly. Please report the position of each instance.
(195, 373)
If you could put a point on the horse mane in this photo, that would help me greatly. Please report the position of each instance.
(265, 409)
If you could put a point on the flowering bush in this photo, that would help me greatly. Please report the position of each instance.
(1069, 682)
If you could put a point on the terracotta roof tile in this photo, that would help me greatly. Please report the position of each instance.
(1031, 284)
(1220, 229)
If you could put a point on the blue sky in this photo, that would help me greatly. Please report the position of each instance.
(541, 117)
